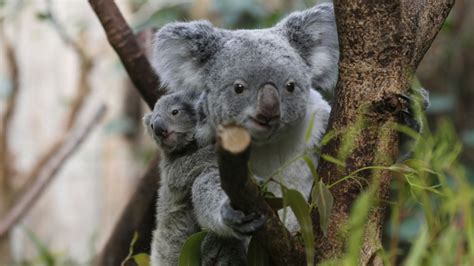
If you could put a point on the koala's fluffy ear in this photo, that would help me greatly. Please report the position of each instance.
(313, 34)
(181, 50)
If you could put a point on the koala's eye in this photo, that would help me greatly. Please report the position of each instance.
(290, 86)
(175, 112)
(239, 88)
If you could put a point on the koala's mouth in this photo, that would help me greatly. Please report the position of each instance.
(260, 129)
(260, 124)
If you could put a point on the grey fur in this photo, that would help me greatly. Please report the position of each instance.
(303, 49)
(181, 162)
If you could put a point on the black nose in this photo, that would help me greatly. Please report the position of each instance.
(158, 128)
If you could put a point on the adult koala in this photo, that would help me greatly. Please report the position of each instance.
(263, 80)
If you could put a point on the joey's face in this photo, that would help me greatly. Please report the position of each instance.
(263, 87)
(172, 123)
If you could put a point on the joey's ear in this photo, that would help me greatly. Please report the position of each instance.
(313, 34)
(181, 51)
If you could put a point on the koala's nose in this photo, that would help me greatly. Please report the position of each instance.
(159, 128)
(268, 103)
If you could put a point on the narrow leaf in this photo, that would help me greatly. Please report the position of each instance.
(311, 166)
(309, 130)
(418, 249)
(275, 203)
(333, 160)
(323, 200)
(301, 209)
(191, 250)
(257, 256)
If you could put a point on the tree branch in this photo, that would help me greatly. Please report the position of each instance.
(71, 144)
(83, 91)
(421, 22)
(6, 160)
(138, 216)
(233, 150)
(121, 38)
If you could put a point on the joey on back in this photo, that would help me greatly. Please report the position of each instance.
(172, 124)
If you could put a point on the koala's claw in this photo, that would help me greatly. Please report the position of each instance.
(240, 222)
(407, 114)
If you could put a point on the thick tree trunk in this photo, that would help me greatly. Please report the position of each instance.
(381, 44)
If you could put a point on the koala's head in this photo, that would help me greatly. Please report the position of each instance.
(258, 78)
(172, 123)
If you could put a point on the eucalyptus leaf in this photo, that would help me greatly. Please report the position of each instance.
(323, 200)
(312, 166)
(191, 250)
(418, 249)
(142, 259)
(301, 209)
(257, 256)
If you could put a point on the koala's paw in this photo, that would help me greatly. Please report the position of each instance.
(239, 222)
(408, 114)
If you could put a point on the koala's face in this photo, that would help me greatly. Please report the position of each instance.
(258, 78)
(173, 122)
(260, 82)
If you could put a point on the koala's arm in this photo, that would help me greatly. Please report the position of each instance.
(208, 199)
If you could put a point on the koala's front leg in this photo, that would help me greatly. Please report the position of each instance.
(214, 211)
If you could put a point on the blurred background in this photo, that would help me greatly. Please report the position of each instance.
(57, 70)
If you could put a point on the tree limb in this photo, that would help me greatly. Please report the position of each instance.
(83, 91)
(233, 150)
(138, 216)
(6, 164)
(121, 38)
(27, 201)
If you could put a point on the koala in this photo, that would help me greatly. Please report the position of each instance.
(265, 80)
(172, 124)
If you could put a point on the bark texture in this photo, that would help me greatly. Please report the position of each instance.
(381, 44)
(125, 44)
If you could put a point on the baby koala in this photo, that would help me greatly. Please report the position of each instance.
(173, 124)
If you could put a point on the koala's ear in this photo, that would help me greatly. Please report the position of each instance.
(181, 51)
(313, 33)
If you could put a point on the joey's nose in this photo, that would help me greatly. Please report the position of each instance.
(159, 128)
(268, 103)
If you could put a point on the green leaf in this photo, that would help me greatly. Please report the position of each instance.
(142, 259)
(311, 166)
(309, 130)
(275, 202)
(257, 256)
(46, 257)
(301, 209)
(191, 250)
(323, 200)
(418, 249)
(130, 249)
(356, 226)
(333, 160)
